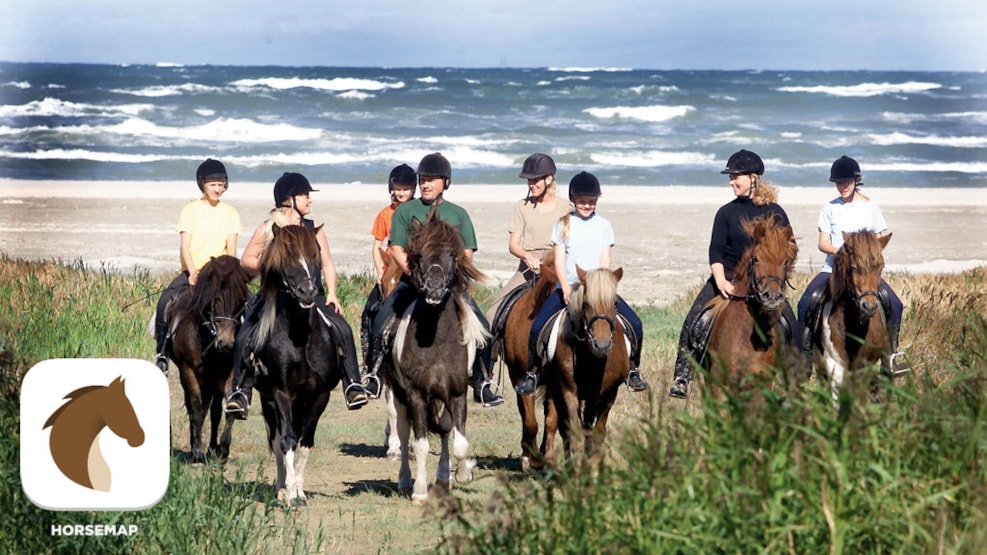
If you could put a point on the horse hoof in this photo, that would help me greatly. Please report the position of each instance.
(464, 472)
(419, 499)
(393, 455)
(299, 502)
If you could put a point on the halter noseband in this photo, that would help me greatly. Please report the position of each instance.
(754, 284)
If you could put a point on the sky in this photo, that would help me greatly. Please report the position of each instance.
(926, 35)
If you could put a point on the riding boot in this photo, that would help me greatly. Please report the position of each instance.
(483, 391)
(371, 358)
(681, 378)
(529, 383)
(634, 380)
(898, 360)
(242, 384)
(353, 391)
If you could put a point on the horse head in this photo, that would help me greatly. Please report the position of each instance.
(292, 262)
(857, 267)
(768, 262)
(392, 275)
(218, 297)
(437, 261)
(593, 308)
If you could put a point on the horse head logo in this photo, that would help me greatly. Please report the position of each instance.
(75, 427)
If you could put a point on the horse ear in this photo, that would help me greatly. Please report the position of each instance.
(885, 240)
(416, 224)
(117, 382)
(580, 273)
(846, 237)
(319, 228)
(385, 256)
(275, 229)
(618, 273)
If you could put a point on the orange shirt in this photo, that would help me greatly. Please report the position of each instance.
(382, 225)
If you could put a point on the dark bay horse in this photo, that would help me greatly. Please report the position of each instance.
(854, 334)
(746, 337)
(590, 363)
(294, 354)
(388, 283)
(76, 425)
(203, 324)
(428, 370)
(516, 332)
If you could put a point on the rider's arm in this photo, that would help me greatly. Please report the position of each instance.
(825, 245)
(517, 250)
(400, 257)
(560, 271)
(378, 259)
(251, 253)
(720, 276)
(328, 270)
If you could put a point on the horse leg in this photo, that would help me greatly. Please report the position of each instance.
(442, 473)
(529, 430)
(215, 419)
(196, 412)
(460, 446)
(392, 441)
(306, 435)
(548, 436)
(570, 425)
(419, 425)
(403, 432)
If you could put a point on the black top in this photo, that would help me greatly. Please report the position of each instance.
(728, 240)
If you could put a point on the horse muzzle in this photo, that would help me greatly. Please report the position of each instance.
(305, 293)
(771, 300)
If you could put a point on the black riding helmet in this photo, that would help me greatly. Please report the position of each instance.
(584, 184)
(402, 174)
(289, 185)
(843, 169)
(435, 165)
(536, 166)
(211, 169)
(744, 161)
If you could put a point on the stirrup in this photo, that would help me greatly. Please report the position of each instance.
(527, 385)
(357, 398)
(235, 407)
(898, 364)
(486, 395)
(161, 362)
(372, 385)
(635, 382)
(679, 389)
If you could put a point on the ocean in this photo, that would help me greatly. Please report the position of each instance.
(351, 125)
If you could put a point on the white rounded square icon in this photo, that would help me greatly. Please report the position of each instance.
(95, 435)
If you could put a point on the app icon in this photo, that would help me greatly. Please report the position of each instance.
(94, 434)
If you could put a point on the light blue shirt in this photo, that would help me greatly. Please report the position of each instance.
(584, 243)
(838, 216)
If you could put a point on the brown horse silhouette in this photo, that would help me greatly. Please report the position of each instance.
(76, 425)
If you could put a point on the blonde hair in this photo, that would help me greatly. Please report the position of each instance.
(282, 215)
(764, 193)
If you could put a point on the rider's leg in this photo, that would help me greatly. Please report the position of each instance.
(893, 309)
(242, 385)
(809, 306)
(483, 390)
(552, 305)
(161, 335)
(370, 380)
(686, 355)
(353, 390)
(634, 380)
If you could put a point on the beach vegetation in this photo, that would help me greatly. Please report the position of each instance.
(797, 476)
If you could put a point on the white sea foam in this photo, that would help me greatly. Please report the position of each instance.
(18, 84)
(82, 154)
(53, 107)
(588, 69)
(336, 84)
(934, 140)
(910, 118)
(428, 79)
(160, 91)
(655, 113)
(652, 158)
(355, 95)
(233, 130)
(572, 78)
(866, 89)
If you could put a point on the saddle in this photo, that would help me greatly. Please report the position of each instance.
(548, 336)
(700, 332)
(499, 323)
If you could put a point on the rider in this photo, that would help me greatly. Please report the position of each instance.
(292, 203)
(434, 175)
(585, 238)
(531, 224)
(401, 186)
(208, 227)
(851, 211)
(728, 241)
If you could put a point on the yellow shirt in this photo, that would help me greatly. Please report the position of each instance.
(208, 227)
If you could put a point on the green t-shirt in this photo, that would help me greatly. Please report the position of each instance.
(448, 212)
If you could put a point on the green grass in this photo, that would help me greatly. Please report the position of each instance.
(706, 476)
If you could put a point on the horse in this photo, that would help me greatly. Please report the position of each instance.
(515, 355)
(590, 363)
(294, 354)
(388, 283)
(76, 425)
(854, 334)
(428, 366)
(746, 336)
(203, 324)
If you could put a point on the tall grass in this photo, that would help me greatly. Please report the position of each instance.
(797, 476)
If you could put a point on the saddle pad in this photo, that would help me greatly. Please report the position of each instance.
(548, 337)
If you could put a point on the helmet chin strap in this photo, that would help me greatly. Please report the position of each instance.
(297, 211)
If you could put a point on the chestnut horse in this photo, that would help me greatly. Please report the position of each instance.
(854, 334)
(746, 337)
(203, 324)
(590, 363)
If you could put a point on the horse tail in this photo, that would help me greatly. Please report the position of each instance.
(474, 332)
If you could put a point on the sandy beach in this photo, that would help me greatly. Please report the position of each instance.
(662, 233)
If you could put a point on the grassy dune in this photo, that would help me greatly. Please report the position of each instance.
(699, 476)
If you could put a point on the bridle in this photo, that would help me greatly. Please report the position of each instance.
(584, 334)
(755, 290)
(212, 323)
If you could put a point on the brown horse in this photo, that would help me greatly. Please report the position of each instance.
(746, 337)
(853, 334)
(428, 367)
(516, 332)
(203, 324)
(590, 363)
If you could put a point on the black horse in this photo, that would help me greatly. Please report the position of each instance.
(295, 354)
(428, 369)
(203, 324)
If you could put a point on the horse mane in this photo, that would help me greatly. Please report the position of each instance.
(545, 283)
(77, 394)
(861, 249)
(599, 291)
(428, 240)
(222, 277)
(289, 245)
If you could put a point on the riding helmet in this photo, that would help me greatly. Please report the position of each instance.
(435, 164)
(844, 168)
(536, 166)
(744, 161)
(402, 174)
(211, 169)
(584, 184)
(289, 185)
